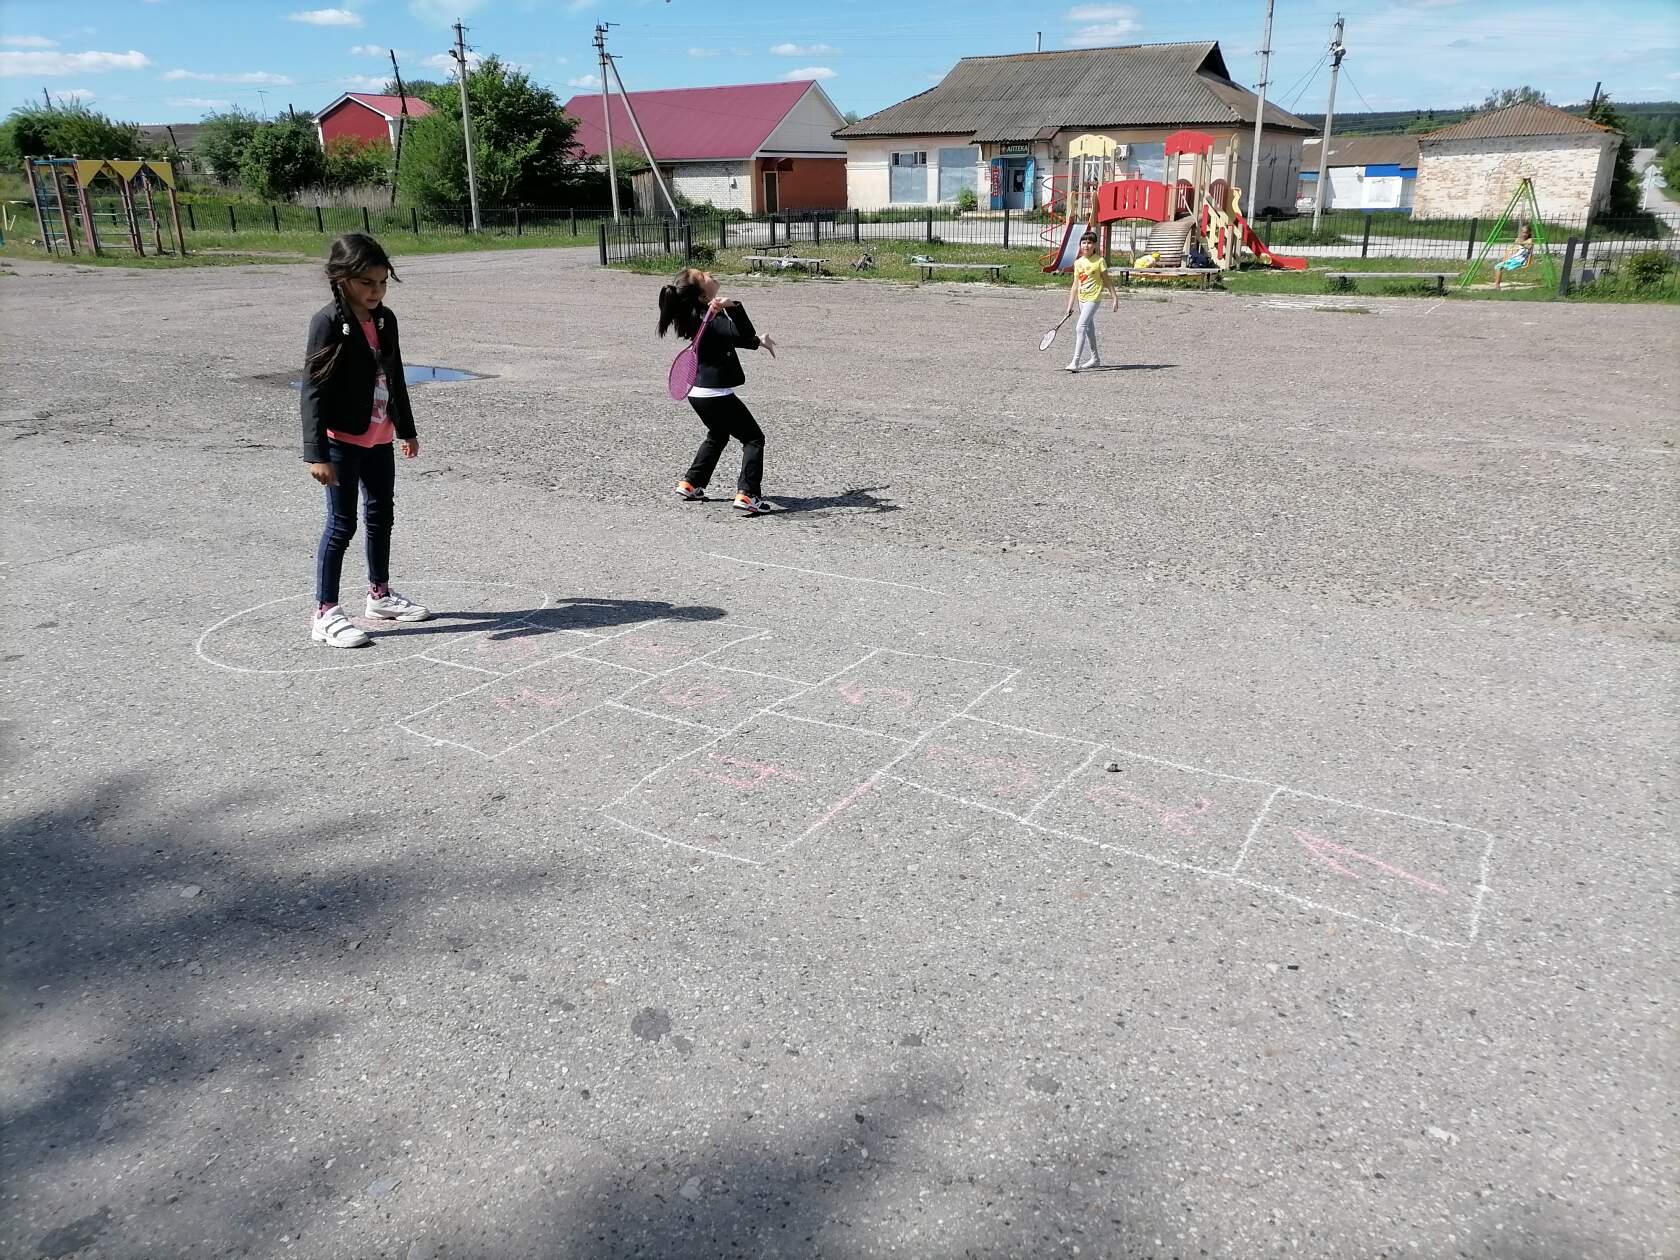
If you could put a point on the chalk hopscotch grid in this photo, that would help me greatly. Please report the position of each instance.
(885, 772)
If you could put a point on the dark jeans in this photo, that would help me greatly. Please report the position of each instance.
(726, 418)
(373, 469)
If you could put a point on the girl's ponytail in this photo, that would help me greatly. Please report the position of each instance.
(681, 305)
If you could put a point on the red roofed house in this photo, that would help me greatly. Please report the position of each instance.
(367, 117)
(759, 147)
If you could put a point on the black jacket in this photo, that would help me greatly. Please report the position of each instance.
(343, 401)
(719, 368)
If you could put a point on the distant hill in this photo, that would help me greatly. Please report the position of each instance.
(1650, 122)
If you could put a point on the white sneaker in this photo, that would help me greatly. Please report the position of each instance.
(392, 606)
(333, 628)
(1070, 367)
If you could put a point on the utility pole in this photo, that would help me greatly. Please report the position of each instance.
(402, 123)
(606, 113)
(1260, 115)
(459, 52)
(653, 162)
(263, 97)
(1040, 47)
(48, 96)
(1593, 104)
(1337, 52)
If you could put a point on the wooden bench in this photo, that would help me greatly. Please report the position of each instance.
(1203, 274)
(757, 262)
(928, 268)
(1440, 277)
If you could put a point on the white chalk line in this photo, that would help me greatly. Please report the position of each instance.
(1023, 730)
(1482, 888)
(438, 660)
(736, 729)
(1254, 829)
(735, 669)
(198, 645)
(1066, 779)
(837, 726)
(844, 577)
(681, 844)
(662, 717)
(1392, 813)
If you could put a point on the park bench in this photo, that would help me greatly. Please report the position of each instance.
(928, 268)
(1439, 277)
(757, 262)
(1204, 275)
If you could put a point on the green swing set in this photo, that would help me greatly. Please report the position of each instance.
(1523, 197)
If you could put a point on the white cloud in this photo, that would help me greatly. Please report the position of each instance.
(260, 78)
(76, 96)
(362, 85)
(444, 63)
(199, 102)
(811, 72)
(326, 17)
(803, 50)
(28, 41)
(1103, 34)
(367, 50)
(703, 52)
(1100, 13)
(585, 81)
(444, 12)
(37, 63)
(578, 6)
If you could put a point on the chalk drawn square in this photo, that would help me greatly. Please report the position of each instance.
(1169, 813)
(715, 698)
(501, 713)
(898, 693)
(994, 766)
(773, 786)
(506, 648)
(1416, 875)
(597, 757)
(665, 645)
(798, 658)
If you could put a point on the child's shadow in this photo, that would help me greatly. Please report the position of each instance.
(862, 498)
(1131, 367)
(584, 612)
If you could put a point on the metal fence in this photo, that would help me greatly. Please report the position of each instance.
(1340, 235)
(242, 217)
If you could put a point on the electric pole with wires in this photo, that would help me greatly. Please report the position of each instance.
(402, 123)
(459, 52)
(606, 113)
(1337, 51)
(1259, 116)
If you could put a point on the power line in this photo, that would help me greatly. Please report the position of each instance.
(1367, 104)
(1300, 86)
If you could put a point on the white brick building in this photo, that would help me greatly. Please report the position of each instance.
(1473, 167)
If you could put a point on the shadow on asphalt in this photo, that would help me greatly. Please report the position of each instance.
(861, 498)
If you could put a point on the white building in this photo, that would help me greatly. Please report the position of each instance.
(1473, 167)
(1363, 172)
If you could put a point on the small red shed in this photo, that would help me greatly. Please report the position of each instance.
(367, 117)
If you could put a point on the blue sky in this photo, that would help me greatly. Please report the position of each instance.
(153, 61)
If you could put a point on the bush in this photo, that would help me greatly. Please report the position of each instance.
(352, 163)
(221, 142)
(66, 131)
(1648, 267)
(703, 255)
(281, 158)
(967, 200)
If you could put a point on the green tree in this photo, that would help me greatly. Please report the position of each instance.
(66, 131)
(522, 143)
(1671, 173)
(1625, 190)
(282, 157)
(1523, 95)
(417, 89)
(352, 163)
(1422, 123)
(222, 140)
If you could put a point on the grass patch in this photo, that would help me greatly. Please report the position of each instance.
(891, 258)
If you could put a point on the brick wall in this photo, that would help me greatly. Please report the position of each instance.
(710, 181)
(1571, 174)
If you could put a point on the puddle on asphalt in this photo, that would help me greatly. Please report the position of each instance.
(413, 373)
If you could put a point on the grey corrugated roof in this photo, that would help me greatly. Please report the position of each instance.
(1519, 120)
(1014, 97)
(1363, 151)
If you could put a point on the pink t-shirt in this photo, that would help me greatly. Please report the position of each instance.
(380, 430)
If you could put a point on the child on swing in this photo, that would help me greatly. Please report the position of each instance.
(1518, 258)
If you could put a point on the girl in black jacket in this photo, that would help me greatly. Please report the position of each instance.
(355, 404)
(683, 305)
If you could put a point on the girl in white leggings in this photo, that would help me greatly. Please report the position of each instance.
(1090, 278)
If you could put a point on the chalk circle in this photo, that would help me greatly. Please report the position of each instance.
(273, 637)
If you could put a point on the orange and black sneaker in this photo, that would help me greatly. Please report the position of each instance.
(688, 490)
(751, 505)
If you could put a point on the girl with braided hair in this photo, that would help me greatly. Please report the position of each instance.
(355, 403)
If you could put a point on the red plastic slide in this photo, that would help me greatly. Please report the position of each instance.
(1257, 247)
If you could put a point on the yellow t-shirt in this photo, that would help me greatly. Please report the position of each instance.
(1089, 272)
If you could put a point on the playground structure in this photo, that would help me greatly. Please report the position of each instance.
(1523, 202)
(65, 193)
(1189, 203)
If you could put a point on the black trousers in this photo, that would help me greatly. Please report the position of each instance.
(727, 417)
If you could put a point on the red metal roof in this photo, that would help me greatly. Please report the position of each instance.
(390, 106)
(688, 124)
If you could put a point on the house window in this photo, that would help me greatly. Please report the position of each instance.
(958, 169)
(908, 177)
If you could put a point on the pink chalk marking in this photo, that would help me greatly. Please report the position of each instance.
(1010, 778)
(857, 694)
(527, 696)
(761, 773)
(507, 647)
(699, 692)
(843, 804)
(1317, 845)
(1174, 820)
